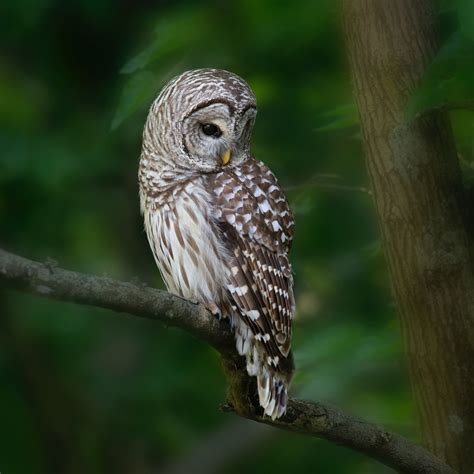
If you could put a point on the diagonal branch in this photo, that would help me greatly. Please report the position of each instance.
(305, 417)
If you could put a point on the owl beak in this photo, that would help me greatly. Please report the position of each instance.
(226, 157)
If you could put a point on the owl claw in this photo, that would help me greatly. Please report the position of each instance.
(214, 310)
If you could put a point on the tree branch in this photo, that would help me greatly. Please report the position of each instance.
(305, 417)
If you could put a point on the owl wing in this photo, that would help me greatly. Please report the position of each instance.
(257, 228)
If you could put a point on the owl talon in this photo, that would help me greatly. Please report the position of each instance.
(214, 310)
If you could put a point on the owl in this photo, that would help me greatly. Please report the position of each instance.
(217, 221)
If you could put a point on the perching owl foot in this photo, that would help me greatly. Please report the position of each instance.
(214, 310)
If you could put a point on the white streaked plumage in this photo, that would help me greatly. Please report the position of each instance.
(220, 233)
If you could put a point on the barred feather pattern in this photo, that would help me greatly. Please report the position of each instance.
(222, 237)
(257, 227)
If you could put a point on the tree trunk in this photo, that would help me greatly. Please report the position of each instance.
(419, 198)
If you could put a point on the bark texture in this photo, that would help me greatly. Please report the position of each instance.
(305, 417)
(419, 197)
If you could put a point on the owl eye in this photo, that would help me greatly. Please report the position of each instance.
(211, 130)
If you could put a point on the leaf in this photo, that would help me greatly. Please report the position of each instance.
(141, 87)
(169, 43)
(341, 117)
(448, 79)
(466, 17)
(171, 35)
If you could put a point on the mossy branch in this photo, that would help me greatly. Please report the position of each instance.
(305, 417)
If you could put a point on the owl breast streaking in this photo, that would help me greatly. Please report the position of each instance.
(218, 223)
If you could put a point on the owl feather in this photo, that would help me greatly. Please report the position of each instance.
(218, 223)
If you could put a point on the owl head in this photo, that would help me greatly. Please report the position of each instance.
(202, 120)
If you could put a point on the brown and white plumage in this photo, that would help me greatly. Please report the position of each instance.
(217, 221)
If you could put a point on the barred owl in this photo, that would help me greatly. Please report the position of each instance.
(218, 223)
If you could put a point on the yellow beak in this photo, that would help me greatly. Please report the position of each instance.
(226, 157)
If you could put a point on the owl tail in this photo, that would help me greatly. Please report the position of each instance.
(272, 383)
(272, 392)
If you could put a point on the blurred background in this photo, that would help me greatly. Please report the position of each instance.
(84, 390)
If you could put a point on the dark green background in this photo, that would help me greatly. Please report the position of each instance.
(87, 391)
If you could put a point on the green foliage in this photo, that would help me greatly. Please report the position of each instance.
(88, 391)
(466, 18)
(139, 89)
(449, 79)
(185, 28)
(339, 118)
(168, 43)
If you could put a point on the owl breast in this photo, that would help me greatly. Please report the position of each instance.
(185, 243)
